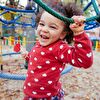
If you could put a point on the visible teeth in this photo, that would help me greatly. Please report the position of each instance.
(44, 37)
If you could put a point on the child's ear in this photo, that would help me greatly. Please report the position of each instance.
(62, 36)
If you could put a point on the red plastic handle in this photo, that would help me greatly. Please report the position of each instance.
(17, 47)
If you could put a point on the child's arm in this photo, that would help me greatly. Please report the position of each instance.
(82, 44)
(82, 51)
(80, 54)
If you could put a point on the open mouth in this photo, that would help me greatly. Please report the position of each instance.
(44, 37)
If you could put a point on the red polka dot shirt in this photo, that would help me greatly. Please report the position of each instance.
(45, 65)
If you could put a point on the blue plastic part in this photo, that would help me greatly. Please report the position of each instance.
(13, 53)
(17, 10)
(12, 76)
(67, 69)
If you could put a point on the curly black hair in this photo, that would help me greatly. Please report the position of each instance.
(68, 10)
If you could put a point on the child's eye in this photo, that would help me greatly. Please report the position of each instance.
(53, 27)
(42, 24)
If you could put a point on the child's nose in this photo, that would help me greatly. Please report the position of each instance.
(45, 29)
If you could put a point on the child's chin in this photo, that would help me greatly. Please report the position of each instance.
(44, 44)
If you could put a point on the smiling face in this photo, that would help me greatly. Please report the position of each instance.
(50, 29)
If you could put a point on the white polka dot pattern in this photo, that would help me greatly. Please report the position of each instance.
(80, 60)
(62, 56)
(32, 71)
(50, 49)
(44, 75)
(47, 62)
(41, 88)
(60, 69)
(89, 55)
(73, 61)
(24, 87)
(79, 45)
(36, 80)
(39, 67)
(49, 82)
(42, 53)
(30, 63)
(29, 84)
(53, 68)
(61, 47)
(48, 94)
(69, 51)
(35, 59)
(33, 50)
(34, 92)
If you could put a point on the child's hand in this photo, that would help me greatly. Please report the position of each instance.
(78, 26)
(24, 53)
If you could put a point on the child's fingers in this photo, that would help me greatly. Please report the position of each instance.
(78, 23)
(24, 55)
(79, 19)
(77, 27)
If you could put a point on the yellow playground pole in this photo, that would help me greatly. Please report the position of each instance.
(24, 41)
(98, 46)
(1, 60)
(9, 40)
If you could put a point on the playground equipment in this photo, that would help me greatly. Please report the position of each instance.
(7, 14)
(11, 40)
(47, 8)
(98, 45)
(65, 19)
(92, 24)
(1, 46)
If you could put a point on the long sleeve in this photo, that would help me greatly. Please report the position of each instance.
(79, 55)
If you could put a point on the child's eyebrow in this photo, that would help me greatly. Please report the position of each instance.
(41, 20)
(50, 23)
(54, 24)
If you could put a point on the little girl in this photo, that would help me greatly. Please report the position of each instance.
(52, 52)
